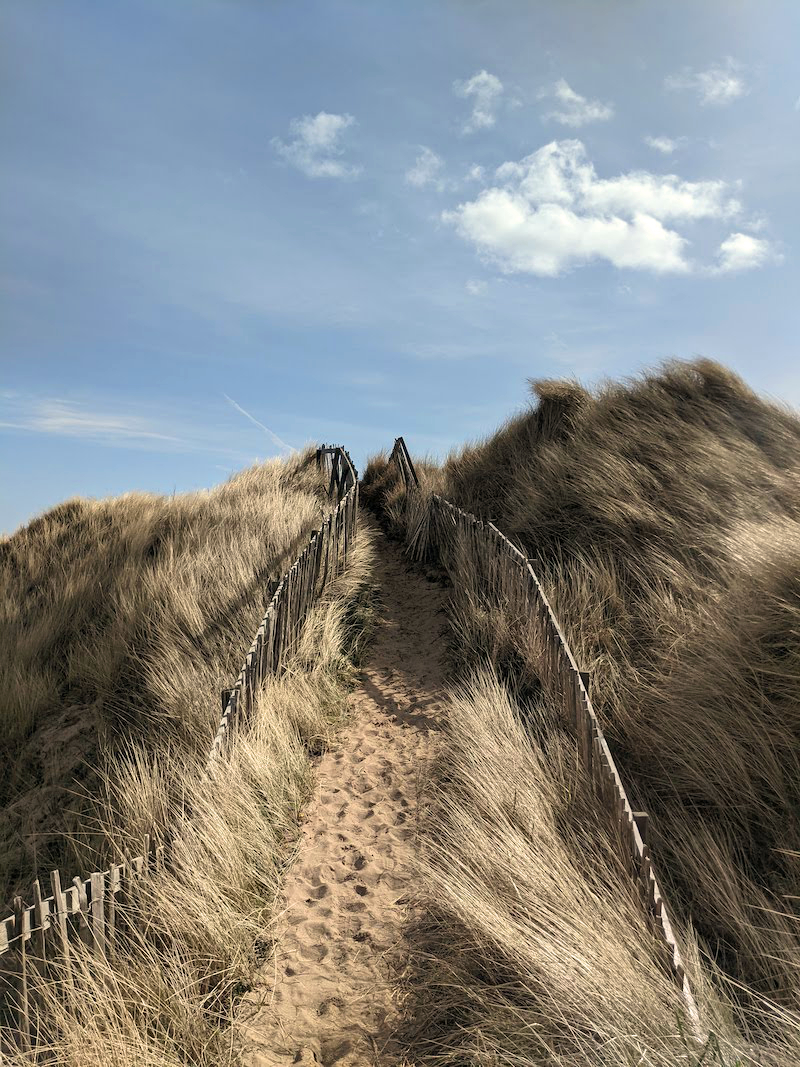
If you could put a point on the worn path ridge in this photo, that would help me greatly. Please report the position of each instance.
(329, 996)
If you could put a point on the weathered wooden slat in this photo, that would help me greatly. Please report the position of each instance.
(266, 640)
(114, 884)
(60, 908)
(23, 999)
(41, 922)
(81, 911)
(98, 901)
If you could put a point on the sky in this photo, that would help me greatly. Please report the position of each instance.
(229, 228)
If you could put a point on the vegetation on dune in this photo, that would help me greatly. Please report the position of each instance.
(194, 940)
(533, 948)
(122, 619)
(662, 516)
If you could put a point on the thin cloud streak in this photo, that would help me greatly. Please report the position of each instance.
(62, 418)
(272, 436)
(66, 419)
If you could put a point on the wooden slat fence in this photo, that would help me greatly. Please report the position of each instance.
(39, 936)
(402, 458)
(321, 560)
(457, 536)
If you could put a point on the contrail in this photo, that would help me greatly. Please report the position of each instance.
(274, 437)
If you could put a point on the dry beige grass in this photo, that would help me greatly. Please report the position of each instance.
(206, 925)
(663, 518)
(534, 949)
(121, 621)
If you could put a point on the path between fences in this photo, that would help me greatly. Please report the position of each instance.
(328, 995)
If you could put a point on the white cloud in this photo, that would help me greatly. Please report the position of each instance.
(550, 211)
(741, 251)
(575, 110)
(720, 84)
(316, 148)
(665, 145)
(476, 287)
(486, 89)
(547, 239)
(560, 172)
(427, 170)
(474, 174)
(757, 223)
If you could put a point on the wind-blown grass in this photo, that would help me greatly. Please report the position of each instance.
(169, 997)
(533, 948)
(663, 518)
(122, 619)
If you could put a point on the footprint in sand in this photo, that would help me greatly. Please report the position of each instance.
(392, 882)
(313, 953)
(330, 1002)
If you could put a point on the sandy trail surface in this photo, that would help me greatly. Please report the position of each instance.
(328, 995)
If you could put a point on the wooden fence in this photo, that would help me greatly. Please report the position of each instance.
(321, 560)
(39, 937)
(507, 573)
(402, 458)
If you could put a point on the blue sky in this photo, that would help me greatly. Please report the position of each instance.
(230, 228)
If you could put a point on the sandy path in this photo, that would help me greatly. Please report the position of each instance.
(327, 997)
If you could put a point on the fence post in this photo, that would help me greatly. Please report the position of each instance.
(98, 886)
(82, 910)
(641, 820)
(41, 922)
(61, 921)
(23, 1007)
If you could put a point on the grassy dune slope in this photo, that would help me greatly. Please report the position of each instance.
(169, 997)
(124, 619)
(663, 516)
(121, 621)
(534, 948)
